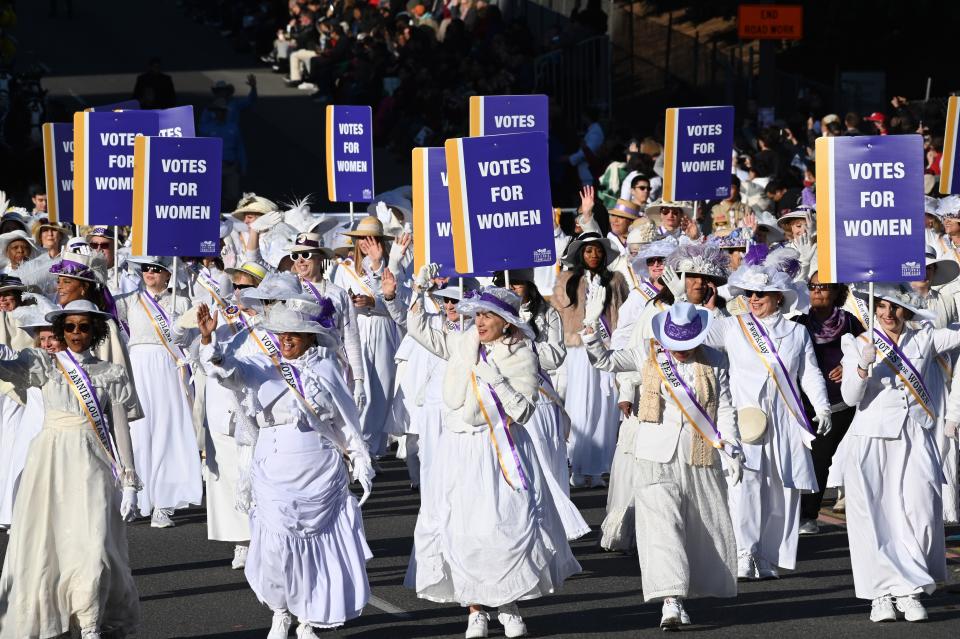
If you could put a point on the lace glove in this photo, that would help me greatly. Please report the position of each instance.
(824, 422)
(128, 503)
(676, 283)
(266, 221)
(359, 395)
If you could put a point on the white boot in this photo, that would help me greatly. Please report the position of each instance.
(280, 626)
(477, 625)
(509, 617)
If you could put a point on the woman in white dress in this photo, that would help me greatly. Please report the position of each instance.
(12, 400)
(66, 564)
(379, 335)
(308, 552)
(770, 356)
(685, 538)
(495, 534)
(164, 441)
(888, 463)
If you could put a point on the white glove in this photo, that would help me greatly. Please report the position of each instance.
(128, 504)
(676, 283)
(593, 308)
(363, 473)
(868, 355)
(950, 430)
(805, 246)
(266, 221)
(208, 473)
(735, 465)
(488, 373)
(424, 276)
(383, 213)
(824, 422)
(359, 395)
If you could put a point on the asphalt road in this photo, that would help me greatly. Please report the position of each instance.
(187, 588)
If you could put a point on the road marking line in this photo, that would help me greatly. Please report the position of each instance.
(387, 607)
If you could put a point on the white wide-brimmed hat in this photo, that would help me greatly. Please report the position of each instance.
(281, 318)
(310, 243)
(762, 279)
(653, 210)
(901, 296)
(323, 224)
(251, 203)
(76, 307)
(643, 231)
(796, 214)
(661, 248)
(767, 221)
(448, 292)
(33, 317)
(499, 301)
(275, 286)
(570, 255)
(164, 262)
(947, 270)
(949, 206)
(682, 327)
(12, 236)
(931, 206)
(370, 226)
(700, 259)
(79, 266)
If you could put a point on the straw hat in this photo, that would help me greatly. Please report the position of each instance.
(249, 268)
(42, 226)
(643, 231)
(76, 307)
(309, 243)
(370, 226)
(499, 301)
(253, 204)
(682, 327)
(653, 210)
(625, 209)
(342, 245)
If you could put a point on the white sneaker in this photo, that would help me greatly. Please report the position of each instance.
(307, 86)
(882, 609)
(306, 631)
(477, 624)
(161, 518)
(239, 557)
(509, 617)
(684, 617)
(767, 570)
(670, 616)
(809, 527)
(747, 567)
(280, 626)
(90, 633)
(911, 608)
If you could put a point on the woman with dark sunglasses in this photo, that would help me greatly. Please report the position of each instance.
(79, 482)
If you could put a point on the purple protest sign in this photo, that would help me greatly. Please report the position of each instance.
(500, 206)
(432, 239)
(870, 225)
(125, 105)
(103, 164)
(349, 153)
(177, 122)
(697, 153)
(498, 114)
(58, 170)
(176, 196)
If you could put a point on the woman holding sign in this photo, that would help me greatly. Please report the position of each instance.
(164, 441)
(66, 561)
(888, 462)
(771, 359)
(685, 538)
(496, 535)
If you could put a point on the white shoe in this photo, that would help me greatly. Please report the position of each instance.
(280, 626)
(578, 481)
(809, 527)
(882, 609)
(161, 518)
(767, 570)
(670, 616)
(306, 631)
(911, 608)
(239, 557)
(90, 633)
(307, 86)
(477, 624)
(840, 506)
(747, 567)
(684, 617)
(509, 617)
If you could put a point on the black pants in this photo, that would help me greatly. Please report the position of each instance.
(824, 446)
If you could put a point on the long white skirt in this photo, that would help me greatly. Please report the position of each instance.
(379, 340)
(591, 403)
(10, 413)
(67, 555)
(224, 521)
(546, 429)
(308, 552)
(894, 511)
(685, 539)
(30, 424)
(619, 527)
(478, 541)
(164, 442)
(949, 458)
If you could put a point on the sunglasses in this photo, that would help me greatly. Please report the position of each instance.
(240, 287)
(641, 188)
(100, 245)
(821, 287)
(303, 256)
(654, 260)
(151, 268)
(758, 294)
(70, 327)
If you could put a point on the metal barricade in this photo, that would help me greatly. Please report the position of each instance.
(577, 76)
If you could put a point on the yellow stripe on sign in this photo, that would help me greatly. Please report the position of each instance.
(670, 155)
(141, 168)
(476, 116)
(331, 177)
(949, 159)
(79, 168)
(822, 152)
(459, 222)
(421, 239)
(50, 171)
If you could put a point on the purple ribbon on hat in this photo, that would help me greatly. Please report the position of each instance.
(69, 267)
(624, 208)
(490, 299)
(682, 332)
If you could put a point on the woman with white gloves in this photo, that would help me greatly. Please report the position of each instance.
(77, 488)
(307, 552)
(685, 539)
(888, 463)
(495, 535)
(771, 359)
